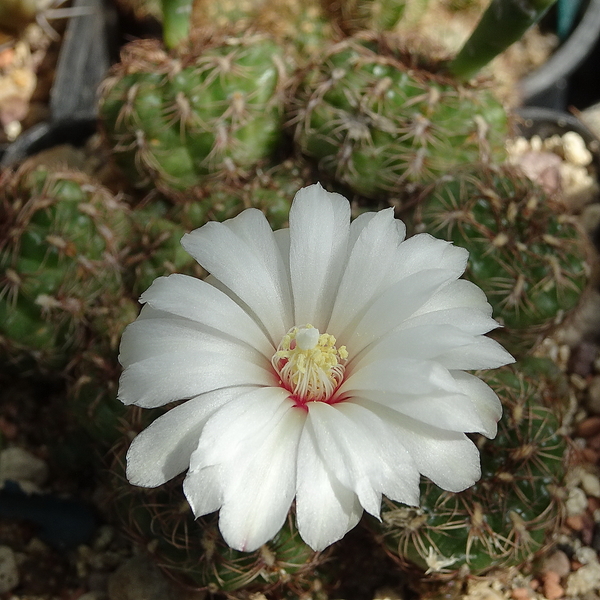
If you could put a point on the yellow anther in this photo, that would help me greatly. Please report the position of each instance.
(309, 364)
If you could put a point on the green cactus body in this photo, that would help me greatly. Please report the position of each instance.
(525, 253)
(270, 191)
(373, 123)
(509, 515)
(372, 15)
(192, 551)
(60, 247)
(301, 25)
(174, 121)
(156, 249)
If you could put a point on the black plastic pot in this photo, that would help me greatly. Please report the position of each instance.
(548, 85)
(83, 62)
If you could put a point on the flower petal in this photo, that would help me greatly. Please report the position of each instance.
(325, 509)
(163, 449)
(362, 452)
(469, 320)
(484, 399)
(256, 455)
(406, 376)
(422, 390)
(162, 334)
(457, 294)
(448, 458)
(345, 450)
(394, 473)
(243, 255)
(422, 343)
(256, 506)
(319, 228)
(484, 353)
(203, 490)
(421, 251)
(371, 258)
(201, 302)
(393, 306)
(157, 380)
(246, 415)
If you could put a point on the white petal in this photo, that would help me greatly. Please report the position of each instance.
(405, 376)
(325, 509)
(469, 320)
(247, 415)
(163, 449)
(261, 483)
(159, 380)
(246, 460)
(484, 399)
(163, 336)
(422, 390)
(484, 353)
(346, 451)
(423, 251)
(363, 220)
(457, 294)
(422, 343)
(393, 306)
(203, 490)
(243, 255)
(201, 302)
(370, 260)
(319, 228)
(448, 458)
(394, 472)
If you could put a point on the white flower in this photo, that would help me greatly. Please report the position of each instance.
(324, 362)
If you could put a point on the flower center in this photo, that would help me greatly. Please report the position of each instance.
(309, 364)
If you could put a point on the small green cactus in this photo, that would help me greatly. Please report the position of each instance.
(526, 253)
(172, 121)
(61, 240)
(374, 121)
(510, 514)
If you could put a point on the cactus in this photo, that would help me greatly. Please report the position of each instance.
(301, 25)
(192, 551)
(373, 121)
(526, 253)
(510, 514)
(61, 240)
(352, 16)
(173, 121)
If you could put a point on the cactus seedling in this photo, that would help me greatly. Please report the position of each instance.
(526, 253)
(60, 245)
(173, 121)
(373, 121)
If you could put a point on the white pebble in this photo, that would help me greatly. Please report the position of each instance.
(19, 465)
(590, 484)
(576, 503)
(575, 149)
(9, 574)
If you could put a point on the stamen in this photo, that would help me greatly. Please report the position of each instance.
(309, 364)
